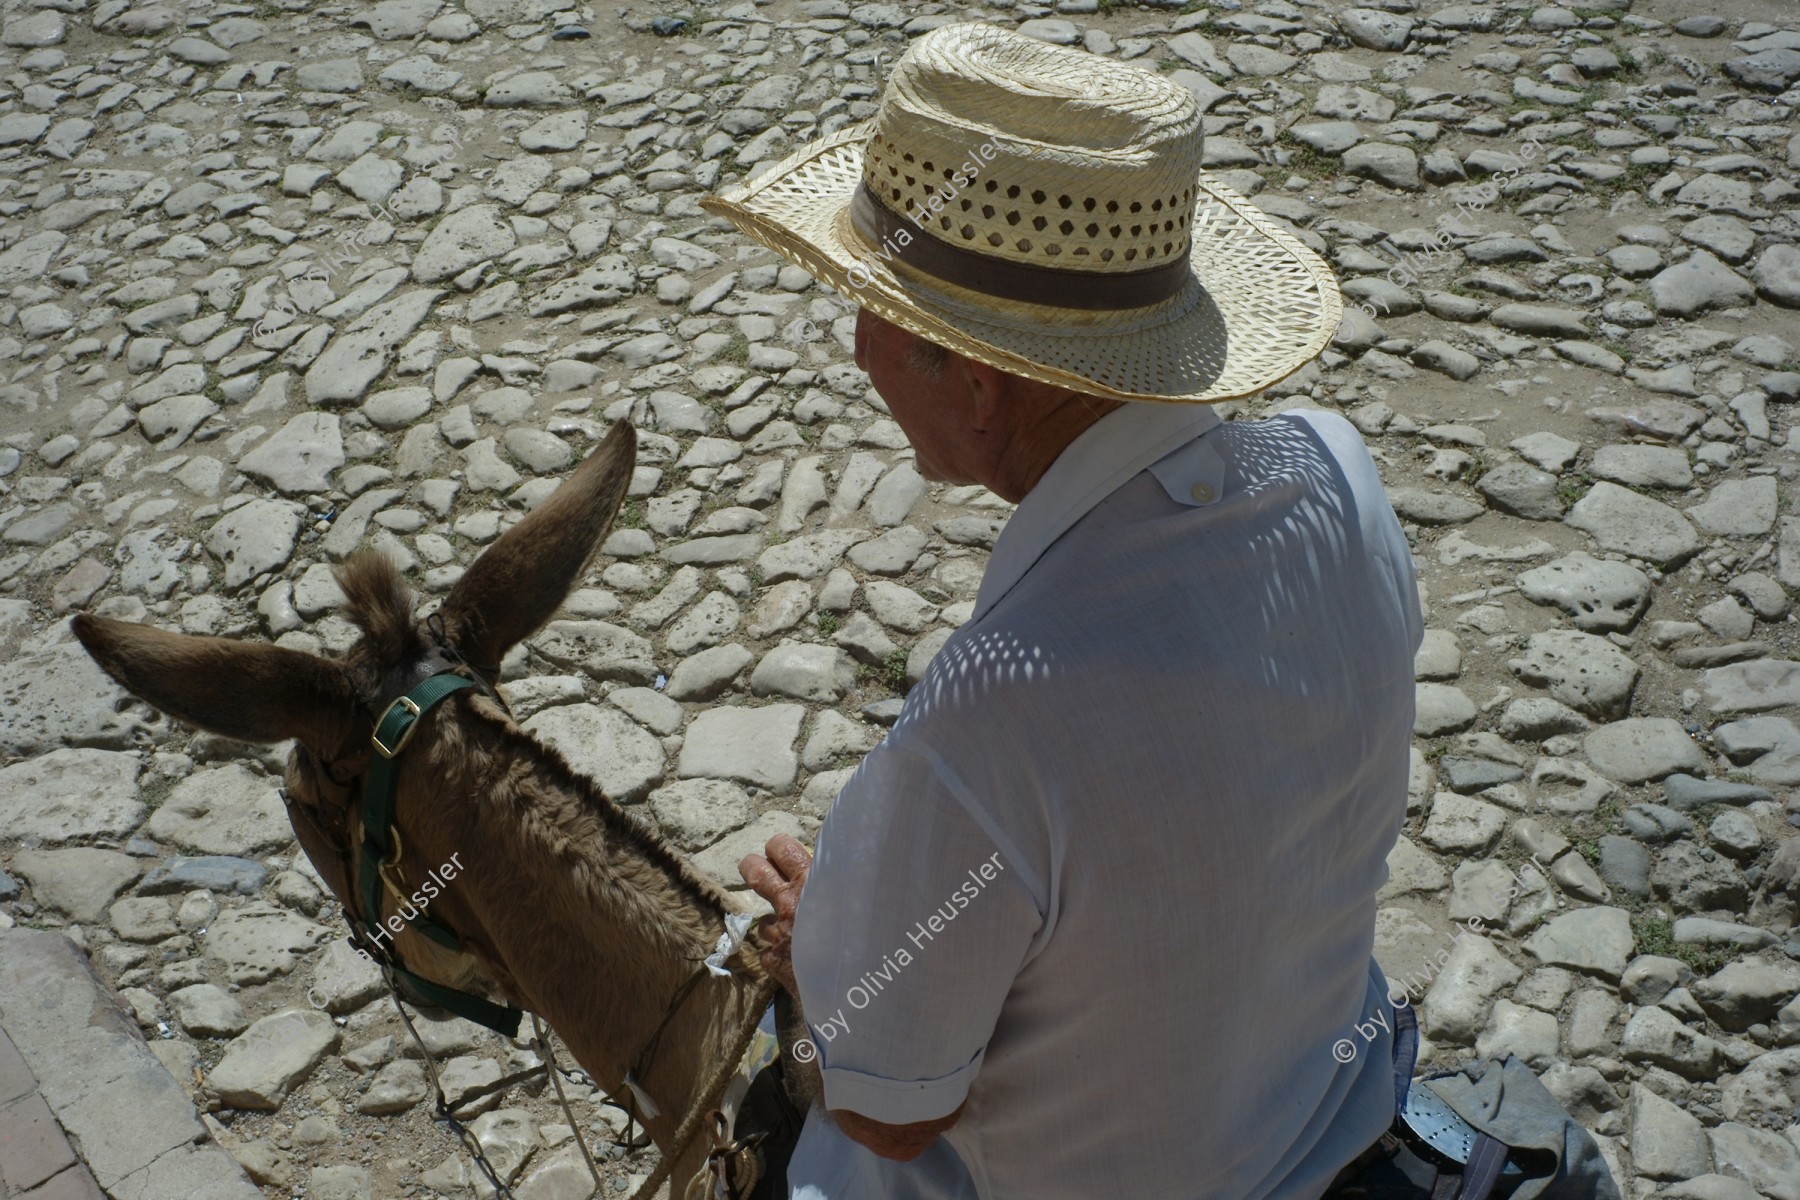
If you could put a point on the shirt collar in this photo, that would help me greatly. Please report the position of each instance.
(1090, 468)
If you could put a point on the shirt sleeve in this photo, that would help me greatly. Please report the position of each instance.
(908, 937)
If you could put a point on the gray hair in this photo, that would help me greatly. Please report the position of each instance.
(926, 358)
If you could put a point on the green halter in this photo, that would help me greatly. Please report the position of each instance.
(381, 850)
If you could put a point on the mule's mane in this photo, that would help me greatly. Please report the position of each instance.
(379, 602)
(649, 844)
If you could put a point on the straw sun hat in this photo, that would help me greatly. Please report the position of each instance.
(1043, 210)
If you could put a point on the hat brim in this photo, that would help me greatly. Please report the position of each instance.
(1260, 306)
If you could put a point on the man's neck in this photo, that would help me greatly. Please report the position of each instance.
(1040, 439)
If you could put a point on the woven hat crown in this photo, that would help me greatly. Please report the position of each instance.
(1044, 211)
(1014, 149)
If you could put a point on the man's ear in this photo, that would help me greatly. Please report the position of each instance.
(988, 389)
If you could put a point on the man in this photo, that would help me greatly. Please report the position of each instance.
(1096, 918)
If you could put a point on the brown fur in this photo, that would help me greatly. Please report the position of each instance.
(569, 906)
(254, 693)
(378, 602)
(487, 611)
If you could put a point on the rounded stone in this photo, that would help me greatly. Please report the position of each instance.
(69, 795)
(397, 408)
(615, 752)
(1640, 749)
(1441, 708)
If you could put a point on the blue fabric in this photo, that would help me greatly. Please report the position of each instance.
(1406, 1053)
(1504, 1100)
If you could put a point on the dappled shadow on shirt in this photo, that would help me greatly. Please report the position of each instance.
(966, 667)
(1283, 542)
(1307, 537)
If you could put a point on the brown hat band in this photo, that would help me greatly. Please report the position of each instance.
(1024, 282)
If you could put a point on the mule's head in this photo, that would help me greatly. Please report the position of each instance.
(261, 693)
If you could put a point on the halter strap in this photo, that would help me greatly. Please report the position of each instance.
(382, 848)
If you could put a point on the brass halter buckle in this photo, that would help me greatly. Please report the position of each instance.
(392, 861)
(406, 733)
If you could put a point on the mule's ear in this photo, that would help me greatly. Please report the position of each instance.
(250, 692)
(519, 581)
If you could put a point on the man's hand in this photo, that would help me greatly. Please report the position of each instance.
(778, 875)
(778, 878)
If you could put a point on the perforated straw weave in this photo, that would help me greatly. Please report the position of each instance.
(1062, 172)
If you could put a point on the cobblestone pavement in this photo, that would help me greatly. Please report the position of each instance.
(75, 1072)
(280, 279)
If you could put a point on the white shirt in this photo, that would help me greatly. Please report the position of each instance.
(1111, 878)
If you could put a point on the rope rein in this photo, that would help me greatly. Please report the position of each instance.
(703, 1103)
(542, 1041)
(707, 1097)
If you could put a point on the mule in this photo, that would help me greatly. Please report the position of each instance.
(564, 905)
